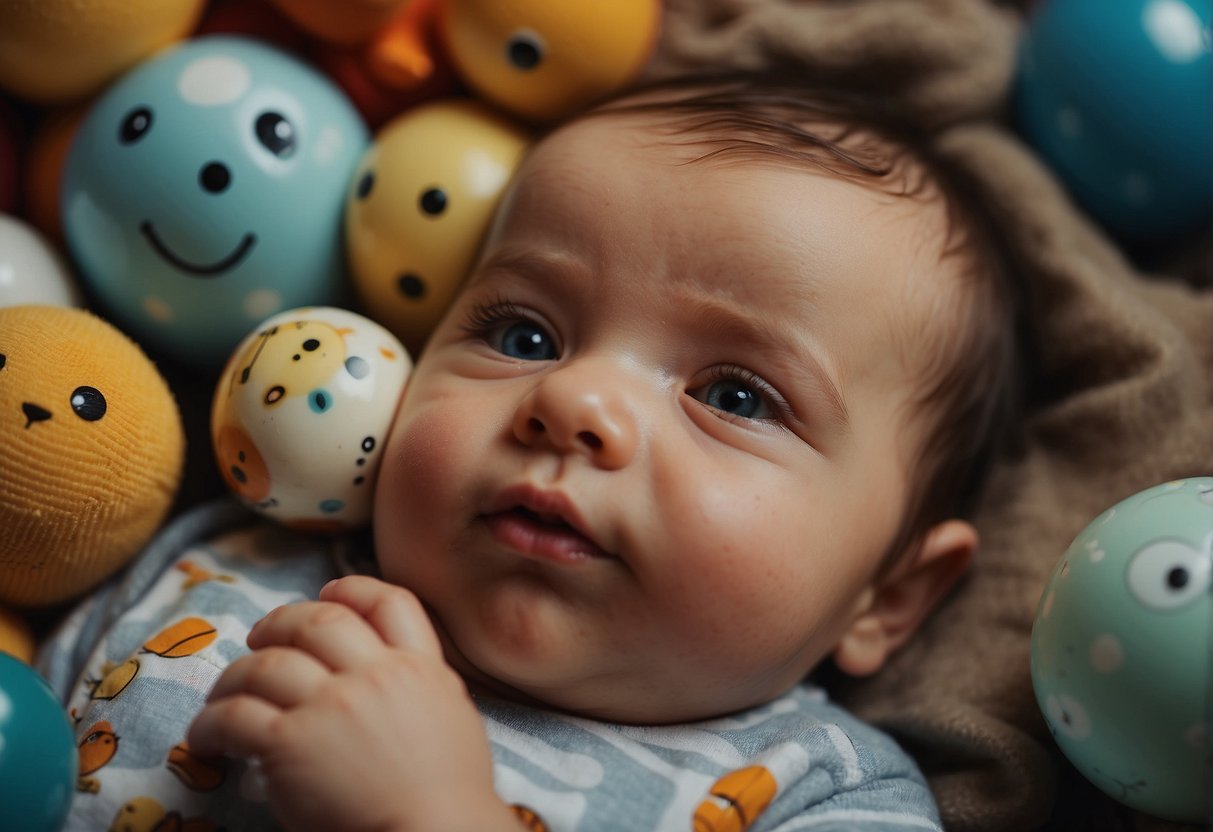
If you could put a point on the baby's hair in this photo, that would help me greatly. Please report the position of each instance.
(973, 388)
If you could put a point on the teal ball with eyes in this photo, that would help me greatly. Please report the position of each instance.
(205, 190)
(1120, 652)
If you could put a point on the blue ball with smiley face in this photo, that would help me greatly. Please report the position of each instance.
(204, 191)
(1121, 660)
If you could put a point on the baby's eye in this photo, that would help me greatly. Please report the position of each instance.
(511, 332)
(524, 340)
(739, 394)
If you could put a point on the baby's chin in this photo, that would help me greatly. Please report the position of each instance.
(500, 680)
(628, 702)
(547, 670)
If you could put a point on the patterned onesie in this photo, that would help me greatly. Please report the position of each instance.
(134, 664)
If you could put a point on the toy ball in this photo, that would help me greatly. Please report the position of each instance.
(92, 444)
(418, 206)
(301, 413)
(58, 50)
(204, 192)
(543, 59)
(1121, 650)
(1118, 99)
(38, 758)
(31, 269)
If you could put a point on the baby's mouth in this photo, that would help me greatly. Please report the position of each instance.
(540, 535)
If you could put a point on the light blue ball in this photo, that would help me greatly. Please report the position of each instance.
(38, 760)
(1117, 96)
(1121, 651)
(204, 192)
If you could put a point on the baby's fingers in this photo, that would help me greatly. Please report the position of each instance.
(334, 634)
(238, 726)
(280, 675)
(393, 611)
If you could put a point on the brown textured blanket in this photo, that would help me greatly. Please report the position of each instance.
(1121, 399)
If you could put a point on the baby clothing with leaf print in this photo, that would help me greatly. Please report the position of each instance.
(134, 663)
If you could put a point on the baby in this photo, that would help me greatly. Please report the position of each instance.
(705, 416)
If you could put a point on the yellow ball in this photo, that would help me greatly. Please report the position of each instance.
(59, 50)
(543, 59)
(420, 202)
(93, 447)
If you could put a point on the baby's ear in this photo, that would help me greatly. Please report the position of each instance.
(893, 608)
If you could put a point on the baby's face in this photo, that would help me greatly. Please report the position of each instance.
(649, 463)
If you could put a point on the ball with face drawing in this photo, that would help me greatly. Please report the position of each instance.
(543, 59)
(418, 206)
(1121, 650)
(204, 191)
(301, 413)
(92, 447)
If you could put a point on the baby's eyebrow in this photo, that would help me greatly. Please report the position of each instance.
(525, 262)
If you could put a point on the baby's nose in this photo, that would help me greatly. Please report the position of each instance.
(580, 409)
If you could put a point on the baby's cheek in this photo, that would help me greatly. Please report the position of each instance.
(420, 470)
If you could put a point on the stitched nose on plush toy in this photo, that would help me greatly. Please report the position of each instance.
(33, 413)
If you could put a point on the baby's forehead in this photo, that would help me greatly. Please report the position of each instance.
(783, 211)
(887, 175)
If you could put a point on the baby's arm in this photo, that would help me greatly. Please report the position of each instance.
(358, 721)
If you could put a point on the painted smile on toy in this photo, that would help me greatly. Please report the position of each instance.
(208, 270)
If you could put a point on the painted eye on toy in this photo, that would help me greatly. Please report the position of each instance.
(366, 184)
(276, 133)
(88, 403)
(310, 345)
(137, 122)
(319, 400)
(1068, 716)
(433, 201)
(524, 49)
(1168, 574)
(410, 285)
(357, 366)
(3, 361)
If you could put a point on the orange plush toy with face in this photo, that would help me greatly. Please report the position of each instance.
(92, 448)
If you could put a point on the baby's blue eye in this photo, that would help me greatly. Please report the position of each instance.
(734, 397)
(525, 340)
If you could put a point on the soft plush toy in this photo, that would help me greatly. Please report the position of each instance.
(92, 447)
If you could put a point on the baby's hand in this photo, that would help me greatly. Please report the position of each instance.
(358, 721)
